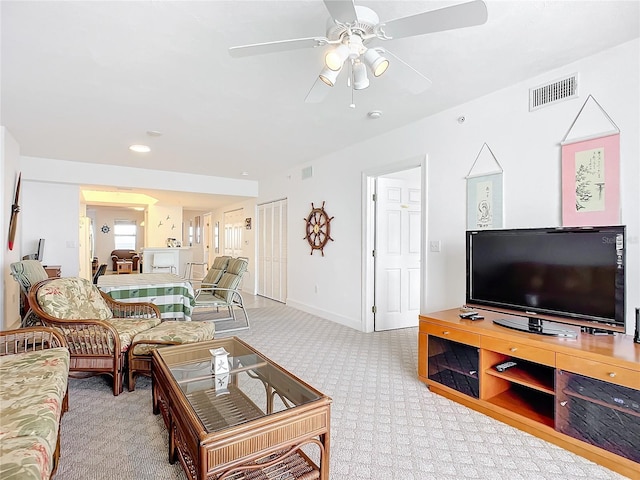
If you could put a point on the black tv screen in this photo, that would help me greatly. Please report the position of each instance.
(570, 272)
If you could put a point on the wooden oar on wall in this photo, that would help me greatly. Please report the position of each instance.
(15, 208)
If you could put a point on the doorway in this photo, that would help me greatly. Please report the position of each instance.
(394, 232)
(233, 227)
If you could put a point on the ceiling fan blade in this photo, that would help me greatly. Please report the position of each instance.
(456, 16)
(318, 92)
(344, 11)
(405, 75)
(279, 46)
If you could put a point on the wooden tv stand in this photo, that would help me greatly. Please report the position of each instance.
(582, 393)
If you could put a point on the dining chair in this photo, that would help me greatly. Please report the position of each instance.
(100, 271)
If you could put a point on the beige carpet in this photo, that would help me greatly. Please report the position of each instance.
(225, 326)
(385, 424)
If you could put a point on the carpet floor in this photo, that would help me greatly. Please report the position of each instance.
(385, 423)
(225, 326)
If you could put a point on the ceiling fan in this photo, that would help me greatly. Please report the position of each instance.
(352, 28)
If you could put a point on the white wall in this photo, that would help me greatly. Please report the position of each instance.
(64, 171)
(163, 221)
(527, 144)
(9, 288)
(52, 211)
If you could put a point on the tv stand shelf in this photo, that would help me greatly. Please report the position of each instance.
(581, 393)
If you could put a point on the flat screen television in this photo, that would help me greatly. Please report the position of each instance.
(573, 275)
(40, 254)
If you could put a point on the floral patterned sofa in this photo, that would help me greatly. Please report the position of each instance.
(34, 369)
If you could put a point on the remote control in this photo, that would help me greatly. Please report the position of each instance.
(468, 314)
(476, 317)
(501, 367)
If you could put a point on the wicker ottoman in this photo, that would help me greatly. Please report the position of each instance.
(171, 332)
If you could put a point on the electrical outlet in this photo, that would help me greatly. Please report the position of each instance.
(434, 245)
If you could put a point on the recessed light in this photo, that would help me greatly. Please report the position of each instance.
(140, 148)
(154, 133)
(374, 114)
(245, 174)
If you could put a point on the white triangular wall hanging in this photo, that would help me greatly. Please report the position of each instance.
(485, 206)
(591, 122)
(485, 163)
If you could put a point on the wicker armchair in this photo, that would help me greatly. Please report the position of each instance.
(98, 329)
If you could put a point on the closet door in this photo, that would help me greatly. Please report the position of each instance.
(272, 250)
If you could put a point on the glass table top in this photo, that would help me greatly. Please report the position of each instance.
(254, 387)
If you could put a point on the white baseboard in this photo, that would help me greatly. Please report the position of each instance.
(333, 317)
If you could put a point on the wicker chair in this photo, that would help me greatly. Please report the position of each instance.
(98, 329)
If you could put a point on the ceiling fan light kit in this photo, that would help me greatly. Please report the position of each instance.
(352, 27)
(376, 62)
(329, 76)
(360, 79)
(334, 59)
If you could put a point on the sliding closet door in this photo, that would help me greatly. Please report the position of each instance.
(272, 250)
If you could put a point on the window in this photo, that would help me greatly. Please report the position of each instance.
(124, 233)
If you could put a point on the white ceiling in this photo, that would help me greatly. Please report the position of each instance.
(83, 80)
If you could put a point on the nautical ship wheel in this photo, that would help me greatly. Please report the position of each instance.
(318, 226)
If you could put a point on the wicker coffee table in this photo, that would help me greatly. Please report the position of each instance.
(259, 421)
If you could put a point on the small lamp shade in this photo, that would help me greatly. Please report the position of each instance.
(334, 59)
(360, 79)
(329, 76)
(376, 62)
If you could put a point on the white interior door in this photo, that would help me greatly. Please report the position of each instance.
(233, 228)
(272, 250)
(207, 239)
(397, 247)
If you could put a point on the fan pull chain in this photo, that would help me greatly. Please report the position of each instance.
(351, 79)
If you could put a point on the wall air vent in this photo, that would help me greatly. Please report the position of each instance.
(307, 172)
(553, 92)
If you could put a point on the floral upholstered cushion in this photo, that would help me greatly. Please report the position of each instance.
(73, 298)
(128, 328)
(23, 458)
(174, 331)
(32, 389)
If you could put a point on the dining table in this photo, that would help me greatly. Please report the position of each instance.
(172, 294)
